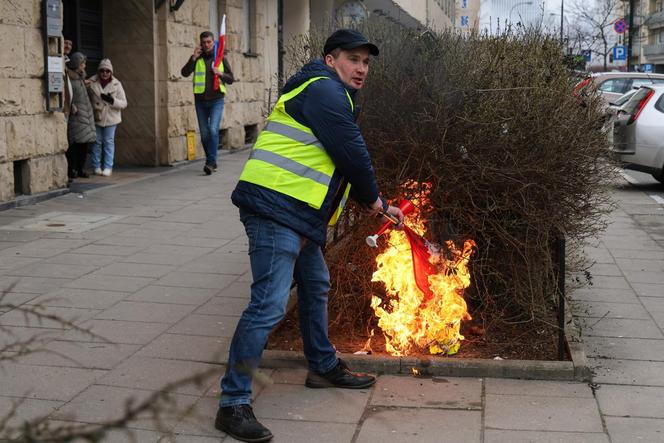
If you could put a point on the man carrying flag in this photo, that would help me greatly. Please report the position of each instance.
(211, 75)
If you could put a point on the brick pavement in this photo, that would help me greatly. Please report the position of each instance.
(158, 266)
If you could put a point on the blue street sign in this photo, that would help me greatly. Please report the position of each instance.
(620, 26)
(619, 53)
(587, 54)
(647, 67)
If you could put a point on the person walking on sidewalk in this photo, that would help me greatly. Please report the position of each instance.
(80, 123)
(208, 100)
(295, 183)
(108, 100)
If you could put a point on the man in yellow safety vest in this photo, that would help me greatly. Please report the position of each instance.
(307, 161)
(209, 100)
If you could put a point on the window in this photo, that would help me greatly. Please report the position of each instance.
(217, 10)
(249, 27)
(660, 104)
(633, 103)
(640, 82)
(619, 85)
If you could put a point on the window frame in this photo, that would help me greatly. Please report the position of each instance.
(249, 29)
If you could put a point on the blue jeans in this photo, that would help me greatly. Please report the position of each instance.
(277, 254)
(105, 138)
(209, 113)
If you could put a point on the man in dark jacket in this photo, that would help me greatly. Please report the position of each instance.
(309, 158)
(209, 100)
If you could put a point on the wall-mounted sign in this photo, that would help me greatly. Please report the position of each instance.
(53, 18)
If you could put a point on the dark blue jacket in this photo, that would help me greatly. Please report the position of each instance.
(323, 106)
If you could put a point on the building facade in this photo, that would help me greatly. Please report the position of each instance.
(500, 14)
(467, 17)
(148, 42)
(651, 45)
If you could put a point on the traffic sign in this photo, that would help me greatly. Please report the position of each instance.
(619, 53)
(587, 55)
(620, 26)
(647, 67)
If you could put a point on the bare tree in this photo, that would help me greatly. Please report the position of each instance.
(594, 23)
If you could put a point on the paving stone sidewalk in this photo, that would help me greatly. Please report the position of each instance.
(158, 267)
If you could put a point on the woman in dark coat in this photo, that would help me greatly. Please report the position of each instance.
(81, 122)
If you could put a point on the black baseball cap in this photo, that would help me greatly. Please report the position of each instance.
(348, 39)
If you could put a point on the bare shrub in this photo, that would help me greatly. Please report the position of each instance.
(515, 161)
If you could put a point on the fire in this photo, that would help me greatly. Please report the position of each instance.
(407, 319)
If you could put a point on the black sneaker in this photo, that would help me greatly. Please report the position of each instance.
(214, 167)
(207, 169)
(240, 423)
(339, 377)
(83, 174)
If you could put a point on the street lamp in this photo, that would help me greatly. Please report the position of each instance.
(518, 4)
(562, 15)
(562, 20)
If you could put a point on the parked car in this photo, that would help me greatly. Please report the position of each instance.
(638, 131)
(612, 85)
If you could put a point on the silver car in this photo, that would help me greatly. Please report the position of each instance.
(612, 85)
(638, 131)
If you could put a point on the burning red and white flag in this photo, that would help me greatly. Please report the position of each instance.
(424, 285)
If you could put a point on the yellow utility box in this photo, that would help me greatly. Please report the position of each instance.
(191, 145)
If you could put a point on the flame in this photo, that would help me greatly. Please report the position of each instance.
(407, 321)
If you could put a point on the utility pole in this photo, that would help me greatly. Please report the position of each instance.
(630, 29)
(562, 15)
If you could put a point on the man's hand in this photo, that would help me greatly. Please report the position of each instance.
(217, 71)
(197, 52)
(396, 212)
(377, 208)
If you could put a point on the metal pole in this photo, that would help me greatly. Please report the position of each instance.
(561, 297)
(562, 14)
(630, 27)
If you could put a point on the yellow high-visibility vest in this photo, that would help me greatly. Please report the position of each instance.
(199, 77)
(288, 158)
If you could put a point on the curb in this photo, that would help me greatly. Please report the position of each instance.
(575, 370)
(24, 200)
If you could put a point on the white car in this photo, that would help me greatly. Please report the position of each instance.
(638, 131)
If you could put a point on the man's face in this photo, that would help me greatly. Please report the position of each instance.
(207, 44)
(352, 66)
(67, 47)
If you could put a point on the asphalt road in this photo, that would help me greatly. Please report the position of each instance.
(645, 183)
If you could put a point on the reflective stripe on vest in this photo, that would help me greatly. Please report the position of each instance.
(288, 158)
(199, 77)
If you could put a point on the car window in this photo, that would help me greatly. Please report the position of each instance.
(617, 85)
(633, 103)
(660, 104)
(641, 81)
(623, 98)
(658, 81)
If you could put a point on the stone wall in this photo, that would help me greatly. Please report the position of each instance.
(28, 133)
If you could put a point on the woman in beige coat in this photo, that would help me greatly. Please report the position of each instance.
(108, 99)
